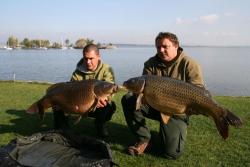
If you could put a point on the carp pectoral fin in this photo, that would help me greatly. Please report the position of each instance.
(165, 118)
(139, 101)
(80, 117)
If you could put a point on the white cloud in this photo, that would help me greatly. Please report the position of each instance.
(181, 21)
(207, 19)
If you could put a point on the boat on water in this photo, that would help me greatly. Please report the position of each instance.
(109, 46)
(6, 48)
(40, 48)
(64, 47)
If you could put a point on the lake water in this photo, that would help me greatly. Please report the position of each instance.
(226, 70)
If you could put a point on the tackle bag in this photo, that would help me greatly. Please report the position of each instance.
(56, 148)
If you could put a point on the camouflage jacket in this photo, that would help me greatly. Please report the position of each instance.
(182, 67)
(103, 72)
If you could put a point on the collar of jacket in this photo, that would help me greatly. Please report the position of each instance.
(170, 63)
(81, 67)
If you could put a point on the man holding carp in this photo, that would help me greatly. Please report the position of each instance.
(170, 61)
(91, 67)
(170, 90)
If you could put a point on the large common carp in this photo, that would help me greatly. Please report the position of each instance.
(74, 97)
(175, 97)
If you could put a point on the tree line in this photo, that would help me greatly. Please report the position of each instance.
(13, 42)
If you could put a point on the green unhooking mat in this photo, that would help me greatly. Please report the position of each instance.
(55, 148)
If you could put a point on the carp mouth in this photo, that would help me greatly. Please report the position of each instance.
(135, 85)
(105, 88)
(115, 88)
(122, 88)
(126, 85)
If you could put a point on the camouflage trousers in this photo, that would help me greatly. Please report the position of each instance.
(172, 135)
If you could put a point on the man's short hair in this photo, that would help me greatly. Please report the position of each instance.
(172, 37)
(89, 48)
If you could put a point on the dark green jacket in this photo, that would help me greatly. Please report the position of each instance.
(103, 72)
(182, 67)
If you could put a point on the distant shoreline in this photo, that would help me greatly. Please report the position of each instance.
(150, 45)
(119, 45)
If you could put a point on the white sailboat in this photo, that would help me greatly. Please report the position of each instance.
(41, 47)
(7, 47)
(63, 47)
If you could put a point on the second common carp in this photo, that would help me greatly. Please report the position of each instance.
(175, 97)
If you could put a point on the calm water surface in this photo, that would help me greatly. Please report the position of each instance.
(226, 70)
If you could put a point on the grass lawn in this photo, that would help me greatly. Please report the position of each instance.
(204, 146)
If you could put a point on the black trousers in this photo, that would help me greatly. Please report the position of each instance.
(172, 134)
(101, 115)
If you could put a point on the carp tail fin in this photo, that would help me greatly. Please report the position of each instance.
(223, 122)
(39, 107)
(33, 109)
(222, 126)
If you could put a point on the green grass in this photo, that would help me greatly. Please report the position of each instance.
(204, 146)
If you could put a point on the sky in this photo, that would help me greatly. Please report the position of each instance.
(195, 22)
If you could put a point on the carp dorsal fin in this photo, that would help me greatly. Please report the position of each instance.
(202, 88)
(206, 92)
(54, 86)
(139, 101)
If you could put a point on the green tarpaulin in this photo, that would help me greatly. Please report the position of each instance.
(55, 148)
